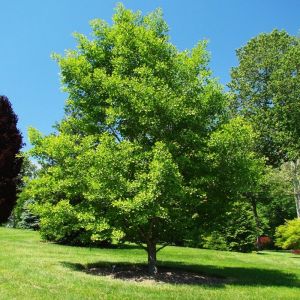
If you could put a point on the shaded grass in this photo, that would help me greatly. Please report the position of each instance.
(31, 269)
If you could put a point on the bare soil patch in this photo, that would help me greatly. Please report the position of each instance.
(139, 273)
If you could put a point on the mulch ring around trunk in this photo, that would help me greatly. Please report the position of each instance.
(139, 273)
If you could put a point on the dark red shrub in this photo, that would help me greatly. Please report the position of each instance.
(263, 242)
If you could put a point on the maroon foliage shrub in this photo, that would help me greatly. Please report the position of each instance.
(10, 165)
(263, 242)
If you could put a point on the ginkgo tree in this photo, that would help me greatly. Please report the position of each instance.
(130, 159)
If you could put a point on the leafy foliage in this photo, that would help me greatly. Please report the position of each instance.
(288, 235)
(278, 191)
(235, 230)
(21, 216)
(214, 240)
(240, 231)
(27, 219)
(232, 151)
(265, 88)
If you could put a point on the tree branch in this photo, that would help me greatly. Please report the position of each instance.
(114, 134)
(162, 247)
(142, 246)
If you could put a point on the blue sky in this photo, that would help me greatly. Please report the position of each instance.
(31, 30)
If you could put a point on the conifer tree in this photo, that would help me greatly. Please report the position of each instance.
(10, 163)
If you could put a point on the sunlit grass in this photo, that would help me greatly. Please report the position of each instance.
(31, 269)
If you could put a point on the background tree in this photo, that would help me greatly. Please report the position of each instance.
(239, 172)
(21, 216)
(288, 235)
(278, 190)
(258, 94)
(266, 86)
(234, 230)
(10, 163)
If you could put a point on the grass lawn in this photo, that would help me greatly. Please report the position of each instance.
(31, 269)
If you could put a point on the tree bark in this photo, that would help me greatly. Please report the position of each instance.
(151, 249)
(297, 201)
(253, 203)
(296, 184)
(255, 214)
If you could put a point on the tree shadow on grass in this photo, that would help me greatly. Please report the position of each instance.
(180, 273)
(244, 275)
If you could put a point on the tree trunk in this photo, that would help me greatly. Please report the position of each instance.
(297, 200)
(255, 214)
(151, 249)
(257, 220)
(296, 184)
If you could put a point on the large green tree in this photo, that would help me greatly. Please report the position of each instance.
(266, 89)
(130, 159)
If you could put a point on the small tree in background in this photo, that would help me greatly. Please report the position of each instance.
(10, 163)
(279, 190)
(21, 216)
(288, 235)
(236, 232)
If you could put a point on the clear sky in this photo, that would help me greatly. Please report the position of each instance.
(31, 30)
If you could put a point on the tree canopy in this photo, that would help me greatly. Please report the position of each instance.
(265, 87)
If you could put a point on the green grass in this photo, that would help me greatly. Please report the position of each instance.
(31, 269)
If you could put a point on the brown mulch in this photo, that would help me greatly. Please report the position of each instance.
(139, 273)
